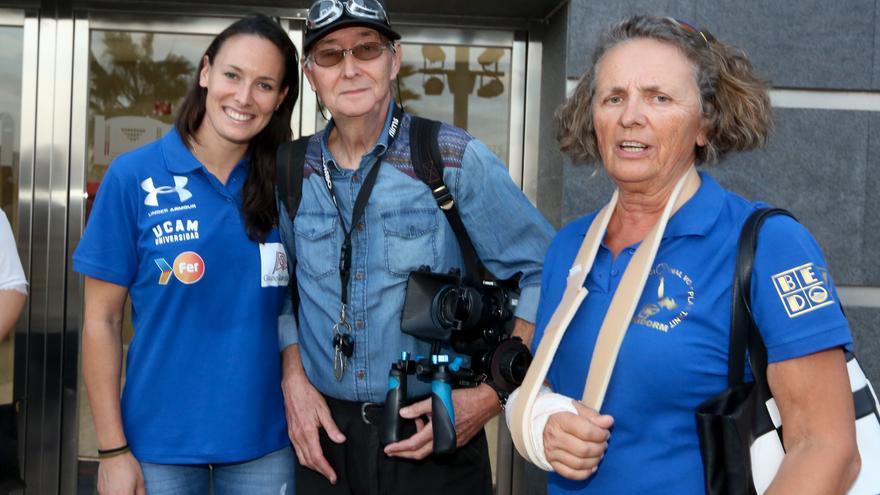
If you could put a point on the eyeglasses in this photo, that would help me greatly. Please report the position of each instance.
(364, 51)
(690, 28)
(325, 12)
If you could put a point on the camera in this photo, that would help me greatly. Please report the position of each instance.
(476, 319)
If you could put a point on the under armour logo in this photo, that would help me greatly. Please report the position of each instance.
(153, 192)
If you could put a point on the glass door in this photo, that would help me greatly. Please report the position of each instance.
(471, 79)
(11, 52)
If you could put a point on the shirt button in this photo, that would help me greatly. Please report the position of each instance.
(614, 272)
(355, 178)
(630, 251)
(359, 324)
(359, 275)
(229, 200)
(361, 374)
(359, 226)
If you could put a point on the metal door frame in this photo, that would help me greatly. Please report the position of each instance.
(52, 198)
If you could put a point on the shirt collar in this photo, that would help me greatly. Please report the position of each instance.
(179, 158)
(696, 217)
(378, 148)
(700, 213)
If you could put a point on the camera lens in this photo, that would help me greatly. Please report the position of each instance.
(445, 304)
(510, 362)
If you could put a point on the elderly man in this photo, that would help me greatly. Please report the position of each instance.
(355, 238)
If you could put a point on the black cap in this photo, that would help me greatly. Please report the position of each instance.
(347, 20)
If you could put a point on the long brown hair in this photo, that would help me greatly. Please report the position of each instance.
(258, 193)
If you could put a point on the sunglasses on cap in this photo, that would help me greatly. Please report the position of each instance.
(324, 12)
(690, 28)
(363, 51)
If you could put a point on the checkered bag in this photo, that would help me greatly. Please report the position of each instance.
(740, 429)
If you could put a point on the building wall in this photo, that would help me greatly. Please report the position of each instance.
(823, 160)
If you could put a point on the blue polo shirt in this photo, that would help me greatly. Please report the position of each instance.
(674, 355)
(203, 369)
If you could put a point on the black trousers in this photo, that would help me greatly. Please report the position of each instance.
(362, 468)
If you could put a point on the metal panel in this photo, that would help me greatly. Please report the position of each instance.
(532, 120)
(49, 248)
(25, 212)
(75, 225)
(159, 24)
(9, 17)
(517, 111)
(303, 119)
(450, 36)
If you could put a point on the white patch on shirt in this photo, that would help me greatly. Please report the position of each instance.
(803, 289)
(273, 265)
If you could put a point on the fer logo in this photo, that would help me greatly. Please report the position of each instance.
(188, 268)
(803, 289)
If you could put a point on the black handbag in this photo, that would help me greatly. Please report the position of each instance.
(740, 429)
(10, 476)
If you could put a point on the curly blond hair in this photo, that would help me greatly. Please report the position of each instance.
(734, 100)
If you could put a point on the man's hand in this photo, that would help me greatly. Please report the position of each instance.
(120, 475)
(307, 412)
(474, 407)
(575, 443)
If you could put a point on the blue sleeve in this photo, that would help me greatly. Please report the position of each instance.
(108, 249)
(288, 333)
(509, 234)
(560, 256)
(794, 302)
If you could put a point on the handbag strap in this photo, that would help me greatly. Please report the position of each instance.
(743, 332)
(616, 320)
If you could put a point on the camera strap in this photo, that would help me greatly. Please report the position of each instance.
(427, 163)
(343, 343)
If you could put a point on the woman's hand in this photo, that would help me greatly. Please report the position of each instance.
(575, 443)
(120, 475)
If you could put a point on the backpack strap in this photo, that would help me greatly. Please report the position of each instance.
(427, 163)
(290, 165)
(289, 169)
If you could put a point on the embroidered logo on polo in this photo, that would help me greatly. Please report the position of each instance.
(671, 294)
(171, 231)
(803, 289)
(153, 192)
(273, 265)
(188, 268)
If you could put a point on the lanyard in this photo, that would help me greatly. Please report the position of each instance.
(360, 205)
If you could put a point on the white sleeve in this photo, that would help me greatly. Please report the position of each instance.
(11, 273)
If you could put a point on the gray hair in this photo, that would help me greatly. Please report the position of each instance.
(734, 100)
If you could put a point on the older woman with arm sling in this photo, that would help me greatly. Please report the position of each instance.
(660, 98)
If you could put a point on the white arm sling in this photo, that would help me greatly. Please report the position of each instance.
(617, 319)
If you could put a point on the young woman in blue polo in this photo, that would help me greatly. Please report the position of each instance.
(186, 227)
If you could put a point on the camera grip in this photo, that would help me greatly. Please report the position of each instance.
(391, 429)
(442, 412)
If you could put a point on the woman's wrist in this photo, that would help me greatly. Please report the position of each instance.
(116, 451)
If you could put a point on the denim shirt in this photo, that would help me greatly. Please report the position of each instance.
(401, 230)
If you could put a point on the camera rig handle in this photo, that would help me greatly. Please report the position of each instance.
(444, 376)
(442, 410)
(390, 430)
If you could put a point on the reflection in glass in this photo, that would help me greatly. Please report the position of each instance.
(11, 45)
(468, 86)
(137, 81)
